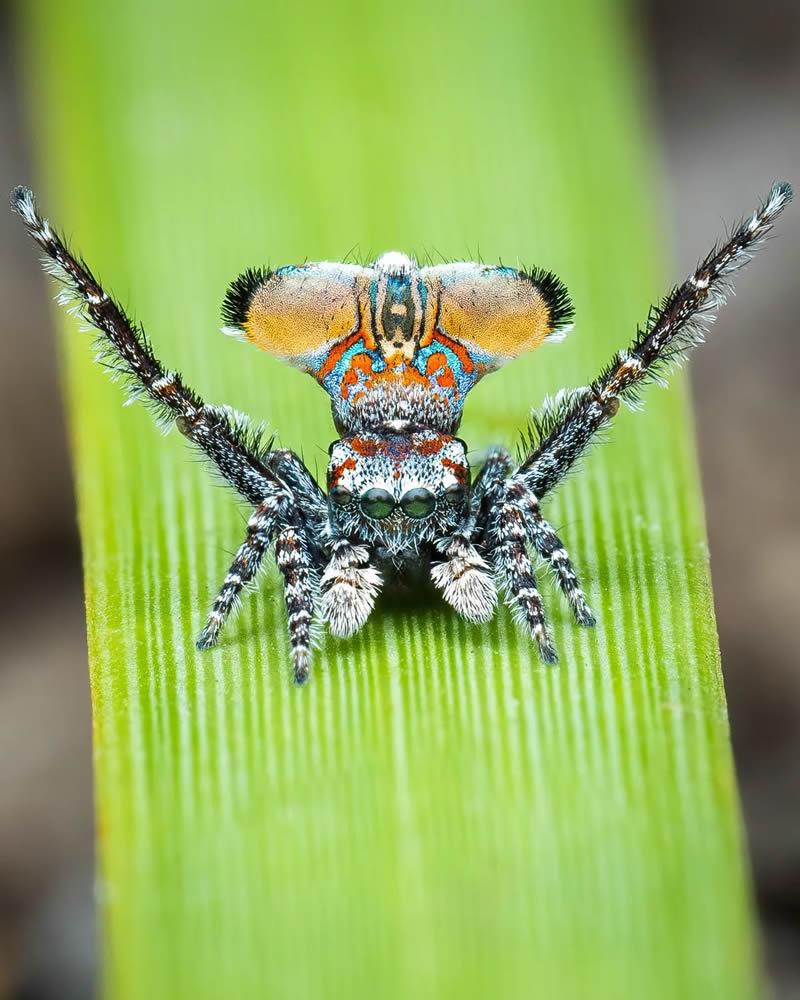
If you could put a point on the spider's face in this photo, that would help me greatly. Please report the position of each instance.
(398, 485)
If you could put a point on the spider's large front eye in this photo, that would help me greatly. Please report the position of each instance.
(340, 496)
(377, 503)
(455, 494)
(418, 503)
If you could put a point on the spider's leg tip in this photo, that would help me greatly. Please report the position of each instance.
(784, 190)
(301, 676)
(205, 641)
(20, 195)
(547, 653)
(586, 617)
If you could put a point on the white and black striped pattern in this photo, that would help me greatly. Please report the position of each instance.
(488, 484)
(244, 567)
(561, 433)
(300, 592)
(510, 558)
(233, 444)
(551, 548)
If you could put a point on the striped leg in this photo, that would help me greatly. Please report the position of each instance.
(511, 558)
(300, 587)
(349, 588)
(243, 568)
(550, 547)
(233, 444)
(567, 424)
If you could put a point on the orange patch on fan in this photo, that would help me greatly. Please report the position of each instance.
(363, 446)
(436, 361)
(359, 363)
(458, 349)
(335, 354)
(399, 370)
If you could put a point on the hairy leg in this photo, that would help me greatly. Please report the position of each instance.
(510, 557)
(567, 424)
(295, 562)
(551, 548)
(488, 483)
(465, 578)
(244, 567)
(234, 446)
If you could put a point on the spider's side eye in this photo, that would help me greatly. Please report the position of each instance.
(377, 503)
(340, 496)
(418, 503)
(455, 494)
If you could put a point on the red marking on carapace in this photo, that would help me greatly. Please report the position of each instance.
(429, 447)
(366, 447)
(459, 471)
(338, 471)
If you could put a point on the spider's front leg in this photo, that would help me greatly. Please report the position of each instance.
(567, 425)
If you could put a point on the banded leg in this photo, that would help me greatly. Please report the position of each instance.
(243, 568)
(300, 585)
(490, 478)
(567, 424)
(511, 558)
(550, 547)
(465, 579)
(349, 588)
(227, 438)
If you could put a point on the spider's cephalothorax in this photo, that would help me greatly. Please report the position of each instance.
(398, 347)
(397, 486)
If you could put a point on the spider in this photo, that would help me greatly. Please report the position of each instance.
(398, 347)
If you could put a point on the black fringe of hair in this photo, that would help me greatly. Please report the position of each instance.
(240, 294)
(555, 294)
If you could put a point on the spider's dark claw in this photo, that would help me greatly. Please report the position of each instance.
(584, 615)
(302, 665)
(206, 640)
(547, 651)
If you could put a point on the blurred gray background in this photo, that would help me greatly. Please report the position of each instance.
(725, 87)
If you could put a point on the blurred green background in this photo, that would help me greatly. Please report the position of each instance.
(701, 123)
